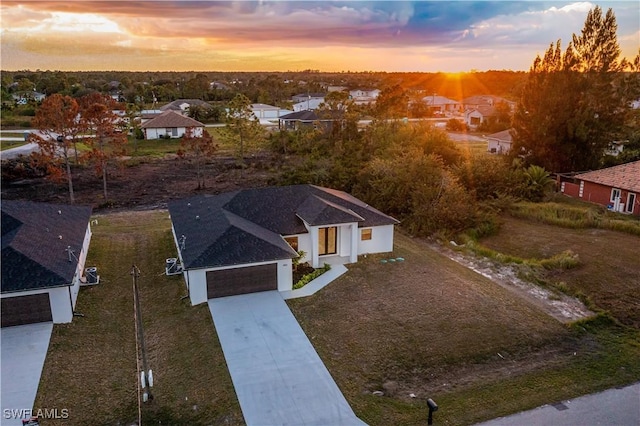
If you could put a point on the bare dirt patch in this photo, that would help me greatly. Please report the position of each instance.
(144, 183)
(562, 307)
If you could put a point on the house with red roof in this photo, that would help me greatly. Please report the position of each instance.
(617, 187)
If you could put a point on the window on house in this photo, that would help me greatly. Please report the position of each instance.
(327, 240)
(174, 131)
(293, 242)
(615, 194)
(366, 234)
(631, 201)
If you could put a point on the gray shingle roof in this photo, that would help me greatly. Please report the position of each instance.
(171, 119)
(35, 238)
(247, 226)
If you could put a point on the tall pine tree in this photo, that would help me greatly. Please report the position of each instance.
(571, 107)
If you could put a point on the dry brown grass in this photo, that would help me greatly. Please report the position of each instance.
(609, 271)
(91, 365)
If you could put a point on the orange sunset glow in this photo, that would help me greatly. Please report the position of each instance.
(287, 35)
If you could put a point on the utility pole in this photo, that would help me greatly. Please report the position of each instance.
(146, 375)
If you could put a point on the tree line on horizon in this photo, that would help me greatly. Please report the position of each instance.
(573, 103)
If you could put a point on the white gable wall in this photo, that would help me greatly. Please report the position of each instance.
(381, 240)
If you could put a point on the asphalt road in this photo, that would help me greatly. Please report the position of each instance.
(619, 407)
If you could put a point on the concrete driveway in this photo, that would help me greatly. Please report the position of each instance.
(277, 374)
(24, 349)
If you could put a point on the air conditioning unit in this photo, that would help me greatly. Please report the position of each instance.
(172, 267)
(91, 276)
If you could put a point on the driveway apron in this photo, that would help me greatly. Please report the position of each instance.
(24, 349)
(277, 374)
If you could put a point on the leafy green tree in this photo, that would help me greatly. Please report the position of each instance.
(393, 102)
(570, 109)
(418, 190)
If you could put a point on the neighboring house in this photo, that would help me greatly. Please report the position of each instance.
(182, 105)
(171, 124)
(615, 148)
(500, 142)
(474, 102)
(441, 105)
(218, 86)
(475, 117)
(268, 113)
(297, 120)
(308, 105)
(44, 248)
(244, 241)
(617, 187)
(303, 97)
(364, 96)
(22, 98)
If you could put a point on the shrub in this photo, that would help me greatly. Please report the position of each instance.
(312, 276)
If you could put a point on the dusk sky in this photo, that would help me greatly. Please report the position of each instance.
(424, 36)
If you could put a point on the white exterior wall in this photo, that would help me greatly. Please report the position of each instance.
(157, 133)
(59, 298)
(197, 278)
(381, 240)
(498, 147)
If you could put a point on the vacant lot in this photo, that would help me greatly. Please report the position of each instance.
(609, 271)
(91, 365)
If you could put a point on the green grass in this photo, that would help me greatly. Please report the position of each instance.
(577, 216)
(11, 144)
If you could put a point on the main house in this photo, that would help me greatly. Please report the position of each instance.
(244, 241)
(616, 187)
(44, 247)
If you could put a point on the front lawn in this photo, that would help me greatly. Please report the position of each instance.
(432, 328)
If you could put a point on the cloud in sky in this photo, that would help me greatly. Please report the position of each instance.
(290, 35)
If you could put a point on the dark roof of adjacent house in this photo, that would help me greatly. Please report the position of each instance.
(175, 105)
(306, 115)
(624, 176)
(247, 226)
(503, 136)
(36, 239)
(171, 119)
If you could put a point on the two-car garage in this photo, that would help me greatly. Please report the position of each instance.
(248, 279)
